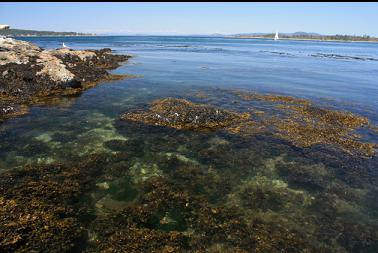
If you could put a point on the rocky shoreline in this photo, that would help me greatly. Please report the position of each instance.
(28, 72)
(210, 170)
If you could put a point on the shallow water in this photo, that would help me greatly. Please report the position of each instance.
(321, 192)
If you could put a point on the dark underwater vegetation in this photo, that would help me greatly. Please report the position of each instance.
(255, 171)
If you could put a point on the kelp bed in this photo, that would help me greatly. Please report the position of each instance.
(243, 173)
(305, 124)
(296, 120)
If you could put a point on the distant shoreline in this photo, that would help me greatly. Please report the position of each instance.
(306, 39)
(227, 37)
(39, 36)
(35, 33)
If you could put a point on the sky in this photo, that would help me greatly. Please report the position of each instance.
(193, 18)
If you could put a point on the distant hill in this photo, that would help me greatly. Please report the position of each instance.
(29, 33)
(303, 34)
(284, 34)
(308, 36)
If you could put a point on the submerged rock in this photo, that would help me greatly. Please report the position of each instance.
(103, 185)
(141, 172)
(107, 204)
(343, 57)
(9, 110)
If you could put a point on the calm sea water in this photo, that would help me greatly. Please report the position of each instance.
(177, 66)
(278, 66)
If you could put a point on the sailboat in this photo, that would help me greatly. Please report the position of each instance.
(64, 45)
(276, 36)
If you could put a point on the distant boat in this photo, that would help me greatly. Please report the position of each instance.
(276, 37)
(64, 45)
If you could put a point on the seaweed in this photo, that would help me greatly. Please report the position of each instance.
(309, 125)
(166, 208)
(38, 207)
(289, 118)
(183, 114)
(314, 177)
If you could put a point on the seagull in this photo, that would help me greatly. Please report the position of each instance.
(64, 45)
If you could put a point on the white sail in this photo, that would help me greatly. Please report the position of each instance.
(276, 37)
(64, 45)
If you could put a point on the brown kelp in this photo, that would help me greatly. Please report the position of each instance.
(183, 114)
(193, 186)
(310, 125)
(306, 125)
(117, 202)
(38, 207)
(183, 220)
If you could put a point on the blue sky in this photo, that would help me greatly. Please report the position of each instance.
(193, 18)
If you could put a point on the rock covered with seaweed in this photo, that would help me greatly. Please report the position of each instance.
(183, 114)
(296, 120)
(28, 71)
(306, 124)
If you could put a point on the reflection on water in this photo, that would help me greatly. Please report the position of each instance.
(114, 185)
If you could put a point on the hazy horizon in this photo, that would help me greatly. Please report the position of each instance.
(193, 18)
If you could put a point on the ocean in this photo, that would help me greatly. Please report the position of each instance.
(321, 195)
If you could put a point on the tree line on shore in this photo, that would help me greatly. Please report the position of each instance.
(21, 32)
(320, 37)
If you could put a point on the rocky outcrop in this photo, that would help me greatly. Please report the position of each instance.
(27, 71)
(183, 114)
